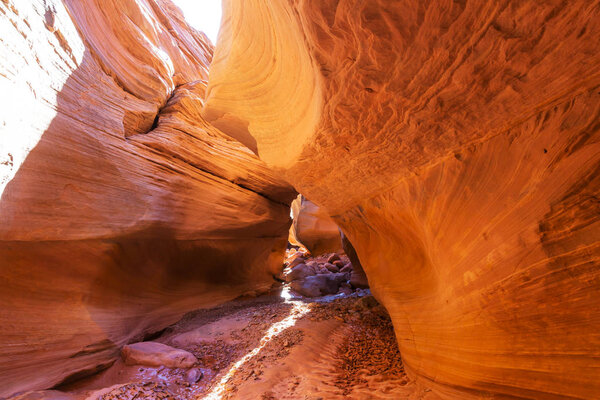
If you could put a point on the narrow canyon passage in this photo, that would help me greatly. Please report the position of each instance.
(270, 347)
(337, 199)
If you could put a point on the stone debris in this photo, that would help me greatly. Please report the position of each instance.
(362, 357)
(310, 277)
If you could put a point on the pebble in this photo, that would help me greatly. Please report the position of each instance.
(193, 375)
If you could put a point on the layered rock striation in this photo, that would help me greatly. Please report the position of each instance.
(456, 144)
(121, 208)
(313, 228)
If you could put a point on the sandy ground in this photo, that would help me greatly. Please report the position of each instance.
(272, 347)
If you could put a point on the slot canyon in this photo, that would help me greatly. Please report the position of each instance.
(339, 199)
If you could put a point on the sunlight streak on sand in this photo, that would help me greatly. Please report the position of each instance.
(298, 310)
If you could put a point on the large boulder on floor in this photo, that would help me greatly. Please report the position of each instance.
(457, 145)
(299, 272)
(156, 354)
(319, 285)
(121, 208)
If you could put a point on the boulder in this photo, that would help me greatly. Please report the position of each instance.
(323, 270)
(299, 272)
(157, 354)
(333, 258)
(331, 267)
(319, 285)
(296, 261)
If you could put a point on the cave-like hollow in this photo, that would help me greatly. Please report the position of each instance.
(445, 245)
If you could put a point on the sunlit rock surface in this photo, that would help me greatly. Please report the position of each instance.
(313, 228)
(120, 207)
(457, 146)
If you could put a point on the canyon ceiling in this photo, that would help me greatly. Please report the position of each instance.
(455, 143)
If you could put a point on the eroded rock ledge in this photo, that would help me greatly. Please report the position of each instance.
(456, 145)
(121, 208)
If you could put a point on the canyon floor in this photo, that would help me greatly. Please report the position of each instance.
(274, 346)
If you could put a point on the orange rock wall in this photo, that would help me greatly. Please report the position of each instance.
(313, 228)
(120, 207)
(456, 143)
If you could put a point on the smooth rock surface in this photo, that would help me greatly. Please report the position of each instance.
(358, 278)
(121, 208)
(193, 375)
(320, 284)
(457, 145)
(156, 354)
(313, 228)
(299, 272)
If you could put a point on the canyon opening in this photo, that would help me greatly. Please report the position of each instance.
(333, 199)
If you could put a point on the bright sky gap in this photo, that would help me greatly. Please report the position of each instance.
(204, 15)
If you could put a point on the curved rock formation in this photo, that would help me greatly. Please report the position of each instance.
(456, 143)
(313, 228)
(120, 207)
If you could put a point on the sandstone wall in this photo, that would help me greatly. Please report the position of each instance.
(120, 207)
(456, 143)
(313, 228)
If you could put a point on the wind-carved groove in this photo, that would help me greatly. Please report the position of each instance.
(141, 123)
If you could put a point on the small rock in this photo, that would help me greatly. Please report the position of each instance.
(338, 263)
(193, 375)
(345, 290)
(156, 355)
(297, 261)
(332, 258)
(346, 268)
(331, 267)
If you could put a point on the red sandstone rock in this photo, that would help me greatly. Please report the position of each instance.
(299, 272)
(457, 146)
(331, 267)
(313, 228)
(121, 208)
(319, 285)
(156, 354)
(332, 258)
